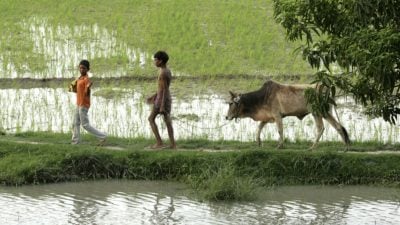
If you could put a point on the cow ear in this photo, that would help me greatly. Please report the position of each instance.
(233, 95)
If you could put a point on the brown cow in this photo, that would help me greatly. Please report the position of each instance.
(274, 101)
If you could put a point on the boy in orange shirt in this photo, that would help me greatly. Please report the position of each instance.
(83, 105)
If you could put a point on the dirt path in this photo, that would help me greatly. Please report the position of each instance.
(115, 148)
(118, 148)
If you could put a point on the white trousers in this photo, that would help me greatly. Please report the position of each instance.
(81, 118)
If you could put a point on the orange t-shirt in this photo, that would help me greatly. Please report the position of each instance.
(82, 92)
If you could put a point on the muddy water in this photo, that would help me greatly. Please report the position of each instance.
(138, 202)
(200, 116)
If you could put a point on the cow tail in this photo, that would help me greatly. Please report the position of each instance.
(344, 131)
(337, 115)
(346, 135)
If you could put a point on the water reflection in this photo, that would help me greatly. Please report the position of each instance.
(139, 202)
(116, 202)
(46, 109)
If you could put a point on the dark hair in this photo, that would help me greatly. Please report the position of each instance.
(85, 63)
(161, 55)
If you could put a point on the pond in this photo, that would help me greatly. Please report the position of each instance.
(194, 116)
(156, 202)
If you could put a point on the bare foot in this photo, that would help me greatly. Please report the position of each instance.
(157, 146)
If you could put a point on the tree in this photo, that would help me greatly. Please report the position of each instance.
(362, 37)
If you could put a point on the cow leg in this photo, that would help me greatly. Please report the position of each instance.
(319, 124)
(260, 127)
(339, 128)
(279, 125)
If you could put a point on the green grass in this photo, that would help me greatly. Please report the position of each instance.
(232, 171)
(206, 38)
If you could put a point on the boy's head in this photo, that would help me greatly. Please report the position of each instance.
(85, 63)
(162, 56)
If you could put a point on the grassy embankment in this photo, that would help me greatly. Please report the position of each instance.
(219, 170)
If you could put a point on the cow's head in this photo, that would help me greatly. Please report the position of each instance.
(234, 106)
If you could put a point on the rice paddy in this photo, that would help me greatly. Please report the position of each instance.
(211, 43)
(204, 38)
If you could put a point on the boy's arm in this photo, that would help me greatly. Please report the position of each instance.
(88, 85)
(163, 86)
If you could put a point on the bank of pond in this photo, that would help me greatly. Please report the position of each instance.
(216, 170)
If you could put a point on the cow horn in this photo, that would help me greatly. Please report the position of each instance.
(236, 99)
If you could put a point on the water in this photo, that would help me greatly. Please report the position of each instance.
(143, 202)
(196, 116)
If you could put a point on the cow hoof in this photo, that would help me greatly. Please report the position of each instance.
(312, 147)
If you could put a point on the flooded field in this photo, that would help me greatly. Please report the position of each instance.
(144, 202)
(63, 46)
(196, 116)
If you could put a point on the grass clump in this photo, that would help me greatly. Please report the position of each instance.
(225, 185)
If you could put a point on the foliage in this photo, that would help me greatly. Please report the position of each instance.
(320, 99)
(361, 37)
